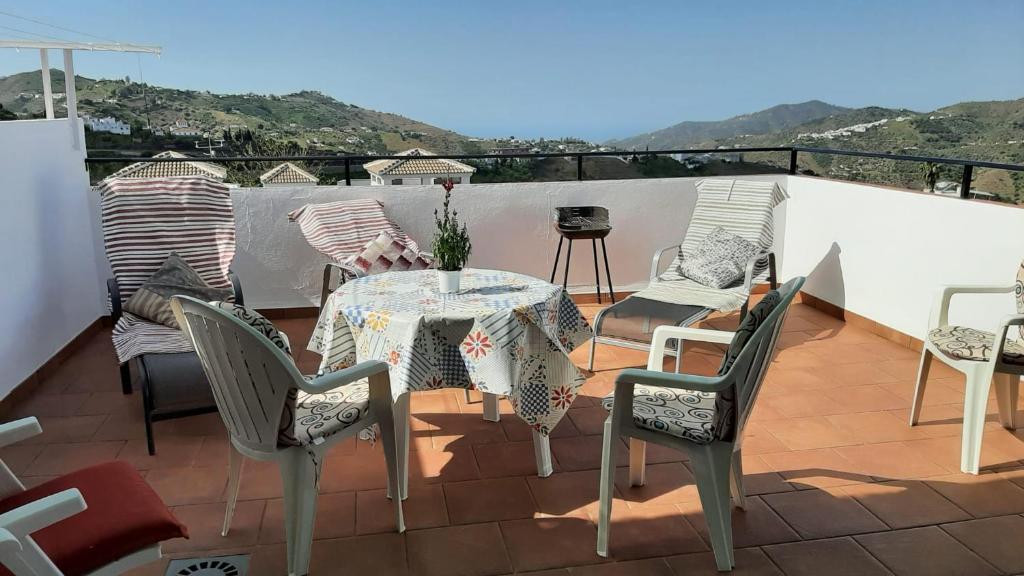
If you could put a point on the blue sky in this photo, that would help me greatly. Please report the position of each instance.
(596, 69)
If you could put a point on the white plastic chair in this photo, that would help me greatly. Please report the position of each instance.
(19, 552)
(708, 425)
(983, 357)
(253, 380)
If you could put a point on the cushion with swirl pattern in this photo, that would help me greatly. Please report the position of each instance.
(1018, 289)
(258, 321)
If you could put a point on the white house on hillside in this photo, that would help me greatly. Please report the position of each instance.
(108, 124)
(287, 174)
(420, 168)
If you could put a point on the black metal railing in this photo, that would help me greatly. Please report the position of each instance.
(347, 160)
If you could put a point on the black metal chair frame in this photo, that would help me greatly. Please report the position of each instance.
(152, 413)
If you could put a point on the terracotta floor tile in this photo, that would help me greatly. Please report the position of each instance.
(543, 543)
(649, 567)
(650, 531)
(566, 493)
(998, 540)
(823, 513)
(518, 431)
(877, 427)
(378, 554)
(18, 457)
(981, 496)
(906, 503)
(890, 461)
(945, 452)
(938, 392)
(125, 426)
(335, 518)
(205, 521)
(584, 452)
(489, 500)
(424, 508)
(57, 459)
(189, 485)
(261, 480)
(866, 398)
(57, 405)
(819, 468)
(758, 440)
(835, 557)
(808, 433)
(926, 550)
(474, 550)
(760, 478)
(757, 525)
(350, 472)
(462, 430)
(670, 483)
(749, 562)
(589, 420)
(801, 404)
(66, 429)
(171, 452)
(507, 459)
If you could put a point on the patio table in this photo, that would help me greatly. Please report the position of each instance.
(504, 334)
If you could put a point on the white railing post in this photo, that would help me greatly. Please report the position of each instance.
(44, 62)
(70, 97)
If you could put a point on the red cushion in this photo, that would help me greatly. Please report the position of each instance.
(123, 515)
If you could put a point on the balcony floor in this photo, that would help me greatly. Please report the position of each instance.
(837, 480)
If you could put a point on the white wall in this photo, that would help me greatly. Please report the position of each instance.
(510, 226)
(883, 253)
(50, 290)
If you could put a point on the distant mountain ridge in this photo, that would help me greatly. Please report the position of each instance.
(693, 133)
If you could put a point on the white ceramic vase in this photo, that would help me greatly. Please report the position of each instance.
(448, 281)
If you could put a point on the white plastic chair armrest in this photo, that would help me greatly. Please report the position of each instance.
(748, 270)
(662, 334)
(18, 430)
(35, 516)
(332, 380)
(656, 260)
(940, 313)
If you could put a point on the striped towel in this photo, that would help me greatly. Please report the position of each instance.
(342, 229)
(743, 207)
(146, 219)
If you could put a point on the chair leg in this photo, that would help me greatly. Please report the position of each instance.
(637, 462)
(126, 378)
(469, 399)
(401, 423)
(299, 473)
(975, 404)
(593, 347)
(1007, 391)
(147, 408)
(609, 443)
(597, 275)
(558, 254)
(739, 495)
(922, 381)
(398, 477)
(235, 464)
(711, 464)
(607, 271)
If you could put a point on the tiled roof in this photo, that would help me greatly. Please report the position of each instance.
(421, 163)
(287, 173)
(170, 169)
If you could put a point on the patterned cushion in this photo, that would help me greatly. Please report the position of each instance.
(699, 417)
(134, 336)
(1019, 294)
(257, 321)
(318, 416)
(152, 300)
(385, 253)
(341, 229)
(719, 259)
(965, 343)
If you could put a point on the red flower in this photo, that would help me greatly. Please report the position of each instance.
(477, 345)
(562, 397)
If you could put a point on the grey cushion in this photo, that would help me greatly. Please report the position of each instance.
(719, 260)
(152, 300)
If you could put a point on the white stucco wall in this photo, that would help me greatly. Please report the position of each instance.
(883, 253)
(510, 226)
(51, 287)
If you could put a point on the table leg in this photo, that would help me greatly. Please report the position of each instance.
(542, 451)
(402, 439)
(491, 412)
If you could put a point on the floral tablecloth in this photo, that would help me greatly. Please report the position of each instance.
(503, 333)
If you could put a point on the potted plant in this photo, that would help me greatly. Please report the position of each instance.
(451, 244)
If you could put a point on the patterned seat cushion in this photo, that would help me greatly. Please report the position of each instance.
(385, 253)
(319, 416)
(964, 343)
(699, 417)
(1018, 289)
